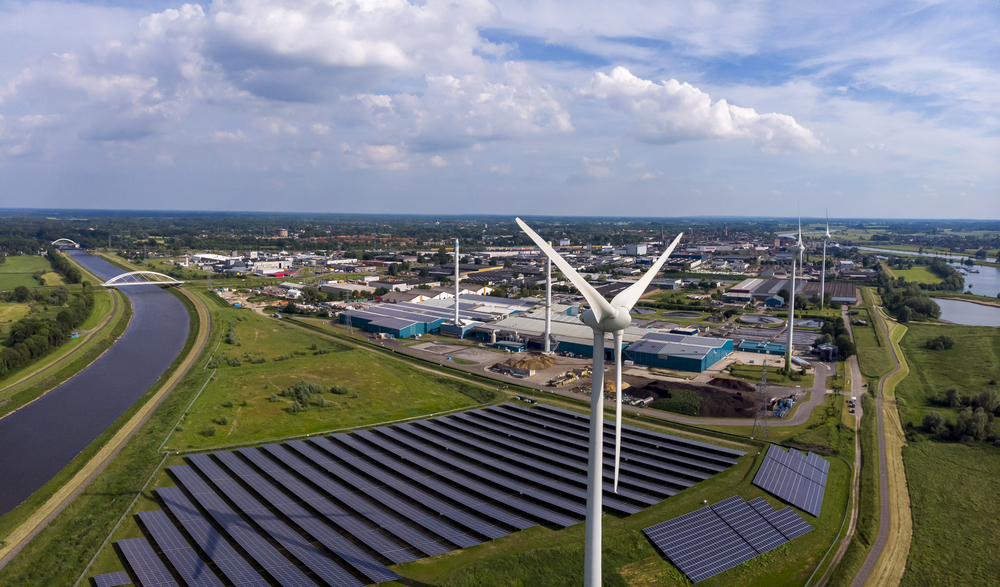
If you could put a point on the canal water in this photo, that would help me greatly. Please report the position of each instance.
(969, 313)
(43, 437)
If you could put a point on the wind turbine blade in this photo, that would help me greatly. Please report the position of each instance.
(618, 401)
(598, 304)
(827, 223)
(628, 297)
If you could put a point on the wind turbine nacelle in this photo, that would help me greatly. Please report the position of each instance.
(796, 248)
(619, 321)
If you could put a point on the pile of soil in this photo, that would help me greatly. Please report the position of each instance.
(609, 382)
(716, 402)
(532, 361)
(733, 384)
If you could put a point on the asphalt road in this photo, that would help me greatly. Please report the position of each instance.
(883, 473)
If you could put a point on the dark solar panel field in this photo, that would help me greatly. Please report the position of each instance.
(340, 510)
(721, 536)
(799, 479)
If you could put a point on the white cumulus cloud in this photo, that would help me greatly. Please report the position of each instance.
(672, 111)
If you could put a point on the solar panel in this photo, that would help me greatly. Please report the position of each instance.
(548, 458)
(360, 504)
(353, 524)
(713, 539)
(112, 579)
(700, 544)
(182, 557)
(337, 544)
(225, 557)
(793, 477)
(571, 483)
(474, 469)
(148, 567)
(291, 541)
(410, 490)
(786, 521)
(281, 569)
(579, 445)
(749, 524)
(431, 482)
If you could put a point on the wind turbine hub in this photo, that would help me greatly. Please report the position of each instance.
(619, 321)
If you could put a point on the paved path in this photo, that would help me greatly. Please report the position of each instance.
(883, 473)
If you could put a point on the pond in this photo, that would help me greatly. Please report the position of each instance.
(969, 313)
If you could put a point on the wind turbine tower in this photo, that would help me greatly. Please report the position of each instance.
(822, 274)
(602, 317)
(457, 323)
(548, 303)
(795, 249)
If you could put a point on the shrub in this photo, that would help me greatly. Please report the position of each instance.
(227, 404)
(322, 352)
(222, 421)
(235, 362)
(274, 397)
(940, 343)
(320, 401)
(245, 403)
(259, 361)
(295, 408)
(339, 390)
(208, 431)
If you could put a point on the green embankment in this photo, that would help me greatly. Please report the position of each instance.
(869, 505)
(753, 373)
(954, 498)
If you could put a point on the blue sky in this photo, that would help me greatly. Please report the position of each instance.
(542, 107)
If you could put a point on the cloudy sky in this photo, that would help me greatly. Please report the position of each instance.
(576, 107)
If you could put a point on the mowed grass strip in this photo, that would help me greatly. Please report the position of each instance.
(919, 274)
(18, 270)
(969, 367)
(954, 497)
(273, 356)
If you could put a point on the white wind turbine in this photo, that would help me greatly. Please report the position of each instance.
(822, 275)
(602, 317)
(796, 248)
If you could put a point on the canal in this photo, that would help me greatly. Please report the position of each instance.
(44, 436)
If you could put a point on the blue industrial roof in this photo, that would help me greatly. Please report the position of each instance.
(676, 345)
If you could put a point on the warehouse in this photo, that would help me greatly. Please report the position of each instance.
(761, 347)
(678, 352)
(404, 322)
(763, 289)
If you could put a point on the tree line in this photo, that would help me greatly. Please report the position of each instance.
(34, 337)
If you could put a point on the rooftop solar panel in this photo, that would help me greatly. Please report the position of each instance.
(292, 542)
(148, 567)
(182, 557)
(337, 544)
(431, 482)
(233, 566)
(358, 503)
(112, 579)
(281, 569)
(411, 490)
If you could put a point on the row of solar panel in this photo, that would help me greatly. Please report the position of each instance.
(794, 477)
(715, 538)
(403, 492)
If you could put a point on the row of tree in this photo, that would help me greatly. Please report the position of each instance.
(63, 266)
(34, 337)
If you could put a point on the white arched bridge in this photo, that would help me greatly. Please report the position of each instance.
(65, 242)
(141, 278)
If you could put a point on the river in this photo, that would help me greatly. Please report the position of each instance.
(43, 437)
(969, 313)
(915, 253)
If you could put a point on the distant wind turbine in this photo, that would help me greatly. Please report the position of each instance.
(602, 317)
(822, 275)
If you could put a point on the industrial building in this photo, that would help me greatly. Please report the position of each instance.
(761, 347)
(408, 320)
(762, 289)
(677, 351)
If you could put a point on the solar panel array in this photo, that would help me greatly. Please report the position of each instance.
(721, 536)
(148, 567)
(799, 479)
(112, 579)
(338, 510)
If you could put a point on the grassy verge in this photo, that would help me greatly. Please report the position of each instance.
(46, 379)
(60, 552)
(956, 533)
(868, 503)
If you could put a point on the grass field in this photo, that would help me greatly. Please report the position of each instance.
(919, 274)
(956, 531)
(968, 367)
(18, 270)
(11, 312)
(753, 373)
(381, 388)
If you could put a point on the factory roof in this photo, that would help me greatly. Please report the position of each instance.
(676, 345)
